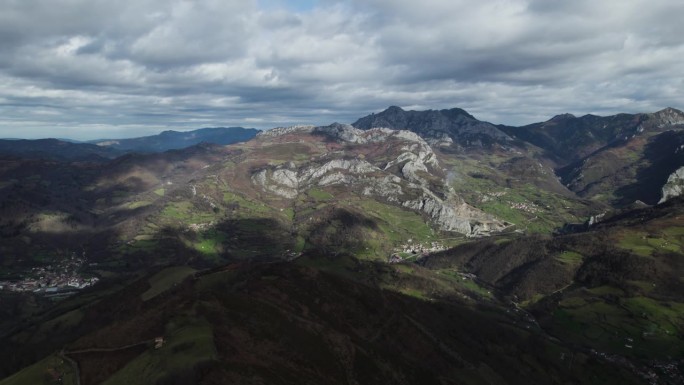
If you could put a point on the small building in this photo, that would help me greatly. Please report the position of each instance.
(159, 342)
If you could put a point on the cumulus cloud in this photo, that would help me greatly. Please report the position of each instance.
(94, 68)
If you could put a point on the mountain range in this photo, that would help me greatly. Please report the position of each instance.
(407, 247)
(106, 149)
(173, 140)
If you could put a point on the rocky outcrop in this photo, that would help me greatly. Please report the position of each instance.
(667, 117)
(282, 182)
(452, 215)
(342, 132)
(353, 166)
(278, 131)
(595, 219)
(442, 214)
(286, 181)
(674, 186)
(402, 180)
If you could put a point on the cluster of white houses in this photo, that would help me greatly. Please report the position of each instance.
(410, 249)
(50, 279)
(529, 207)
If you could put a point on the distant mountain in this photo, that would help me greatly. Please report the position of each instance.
(171, 140)
(441, 127)
(56, 149)
(105, 149)
(617, 159)
(614, 160)
(567, 138)
(628, 170)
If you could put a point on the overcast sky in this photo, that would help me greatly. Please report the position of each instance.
(90, 69)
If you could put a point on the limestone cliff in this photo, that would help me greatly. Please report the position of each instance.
(409, 174)
(674, 186)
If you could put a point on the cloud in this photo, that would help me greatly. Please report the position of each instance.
(91, 68)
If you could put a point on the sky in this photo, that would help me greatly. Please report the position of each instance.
(89, 69)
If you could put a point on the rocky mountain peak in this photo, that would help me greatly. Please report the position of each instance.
(562, 117)
(457, 112)
(437, 127)
(668, 116)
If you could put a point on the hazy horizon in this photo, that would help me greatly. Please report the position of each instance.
(135, 132)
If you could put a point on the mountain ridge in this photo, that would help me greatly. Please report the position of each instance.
(173, 140)
(55, 149)
(441, 127)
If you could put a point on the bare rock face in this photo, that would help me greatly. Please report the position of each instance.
(342, 132)
(287, 181)
(401, 180)
(668, 117)
(674, 186)
(353, 166)
(284, 130)
(441, 213)
(282, 182)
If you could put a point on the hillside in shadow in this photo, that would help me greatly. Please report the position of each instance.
(284, 323)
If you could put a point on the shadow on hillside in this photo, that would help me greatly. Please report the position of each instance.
(663, 158)
(341, 231)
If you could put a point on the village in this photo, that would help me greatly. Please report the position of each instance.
(410, 250)
(528, 207)
(655, 372)
(52, 279)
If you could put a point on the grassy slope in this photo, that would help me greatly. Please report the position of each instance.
(641, 314)
(528, 201)
(189, 344)
(165, 279)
